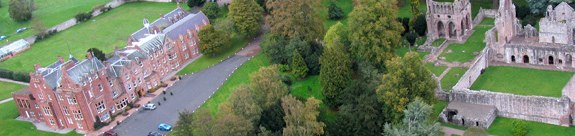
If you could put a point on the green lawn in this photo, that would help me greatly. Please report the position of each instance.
(420, 40)
(240, 76)
(435, 70)
(487, 21)
(438, 42)
(437, 108)
(451, 78)
(465, 52)
(403, 50)
(310, 87)
(12, 127)
(8, 88)
(49, 12)
(345, 5)
(522, 81)
(104, 32)
(204, 61)
(405, 10)
(503, 126)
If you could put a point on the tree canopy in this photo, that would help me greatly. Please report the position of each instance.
(335, 73)
(212, 41)
(20, 10)
(301, 119)
(415, 123)
(296, 18)
(246, 15)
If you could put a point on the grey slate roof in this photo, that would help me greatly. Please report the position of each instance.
(474, 111)
(53, 73)
(160, 22)
(88, 66)
(116, 66)
(181, 27)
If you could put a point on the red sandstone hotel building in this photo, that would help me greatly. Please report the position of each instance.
(73, 93)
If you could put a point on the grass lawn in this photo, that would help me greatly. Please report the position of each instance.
(437, 108)
(102, 32)
(345, 5)
(403, 50)
(204, 61)
(310, 87)
(503, 126)
(522, 81)
(435, 70)
(49, 12)
(487, 21)
(420, 40)
(405, 10)
(12, 127)
(451, 78)
(8, 88)
(465, 52)
(438, 42)
(240, 76)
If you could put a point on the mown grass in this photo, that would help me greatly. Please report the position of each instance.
(467, 51)
(403, 50)
(310, 87)
(437, 70)
(204, 62)
(12, 127)
(451, 78)
(6, 89)
(522, 81)
(345, 5)
(503, 127)
(438, 42)
(105, 32)
(48, 12)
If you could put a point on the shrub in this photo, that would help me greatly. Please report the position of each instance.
(411, 37)
(420, 25)
(335, 12)
(405, 23)
(46, 34)
(193, 3)
(211, 10)
(522, 11)
(519, 128)
(81, 17)
(105, 9)
(20, 10)
(99, 124)
(17, 76)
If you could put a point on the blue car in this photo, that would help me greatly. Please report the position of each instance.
(2, 37)
(21, 29)
(164, 127)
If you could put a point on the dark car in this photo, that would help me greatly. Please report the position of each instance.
(110, 133)
(155, 134)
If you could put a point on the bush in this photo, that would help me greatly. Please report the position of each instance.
(81, 17)
(405, 23)
(522, 12)
(519, 128)
(211, 10)
(105, 9)
(420, 25)
(20, 10)
(99, 124)
(411, 37)
(193, 3)
(17, 76)
(335, 12)
(46, 34)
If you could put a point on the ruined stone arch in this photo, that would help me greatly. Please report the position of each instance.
(452, 30)
(525, 59)
(462, 27)
(568, 59)
(512, 58)
(440, 29)
(551, 60)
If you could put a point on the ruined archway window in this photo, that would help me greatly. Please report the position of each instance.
(551, 60)
(440, 29)
(525, 59)
(512, 58)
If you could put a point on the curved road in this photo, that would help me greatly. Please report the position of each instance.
(189, 93)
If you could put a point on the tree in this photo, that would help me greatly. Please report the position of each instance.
(203, 122)
(193, 3)
(211, 10)
(335, 32)
(301, 119)
(184, 124)
(296, 18)
(21, 10)
(414, 11)
(274, 46)
(415, 123)
(246, 15)
(420, 25)
(229, 124)
(98, 53)
(411, 37)
(335, 73)
(334, 12)
(243, 104)
(407, 79)
(272, 118)
(519, 128)
(267, 86)
(376, 32)
(212, 41)
(298, 67)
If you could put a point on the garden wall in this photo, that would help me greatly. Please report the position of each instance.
(534, 108)
(474, 71)
(492, 13)
(569, 89)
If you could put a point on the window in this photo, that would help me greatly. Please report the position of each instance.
(129, 86)
(105, 117)
(101, 87)
(70, 120)
(50, 97)
(52, 122)
(78, 115)
(79, 125)
(65, 109)
(100, 106)
(139, 80)
(47, 111)
(133, 96)
(186, 56)
(40, 96)
(115, 94)
(184, 47)
(72, 100)
(90, 93)
(111, 82)
(140, 63)
(96, 76)
(122, 103)
(59, 97)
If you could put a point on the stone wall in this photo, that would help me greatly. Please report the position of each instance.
(569, 89)
(534, 108)
(483, 13)
(474, 71)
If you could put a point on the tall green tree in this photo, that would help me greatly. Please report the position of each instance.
(243, 103)
(335, 32)
(301, 119)
(414, 11)
(98, 53)
(21, 10)
(267, 85)
(415, 123)
(296, 18)
(376, 32)
(230, 124)
(335, 73)
(211, 10)
(184, 124)
(212, 41)
(298, 67)
(194, 3)
(407, 79)
(246, 15)
(334, 12)
(203, 123)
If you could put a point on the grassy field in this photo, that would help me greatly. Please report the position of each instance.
(101, 32)
(204, 62)
(522, 81)
(345, 5)
(48, 12)
(435, 70)
(240, 76)
(8, 88)
(12, 127)
(403, 50)
(503, 126)
(451, 78)
(487, 21)
(465, 52)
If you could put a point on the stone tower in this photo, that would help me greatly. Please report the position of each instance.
(505, 24)
(449, 20)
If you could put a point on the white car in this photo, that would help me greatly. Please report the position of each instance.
(150, 106)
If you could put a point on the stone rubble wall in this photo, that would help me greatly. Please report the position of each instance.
(534, 108)
(483, 13)
(569, 89)
(474, 71)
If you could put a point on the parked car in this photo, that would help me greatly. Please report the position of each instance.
(164, 127)
(150, 106)
(110, 133)
(19, 30)
(155, 134)
(2, 37)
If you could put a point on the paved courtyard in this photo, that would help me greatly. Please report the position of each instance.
(189, 93)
